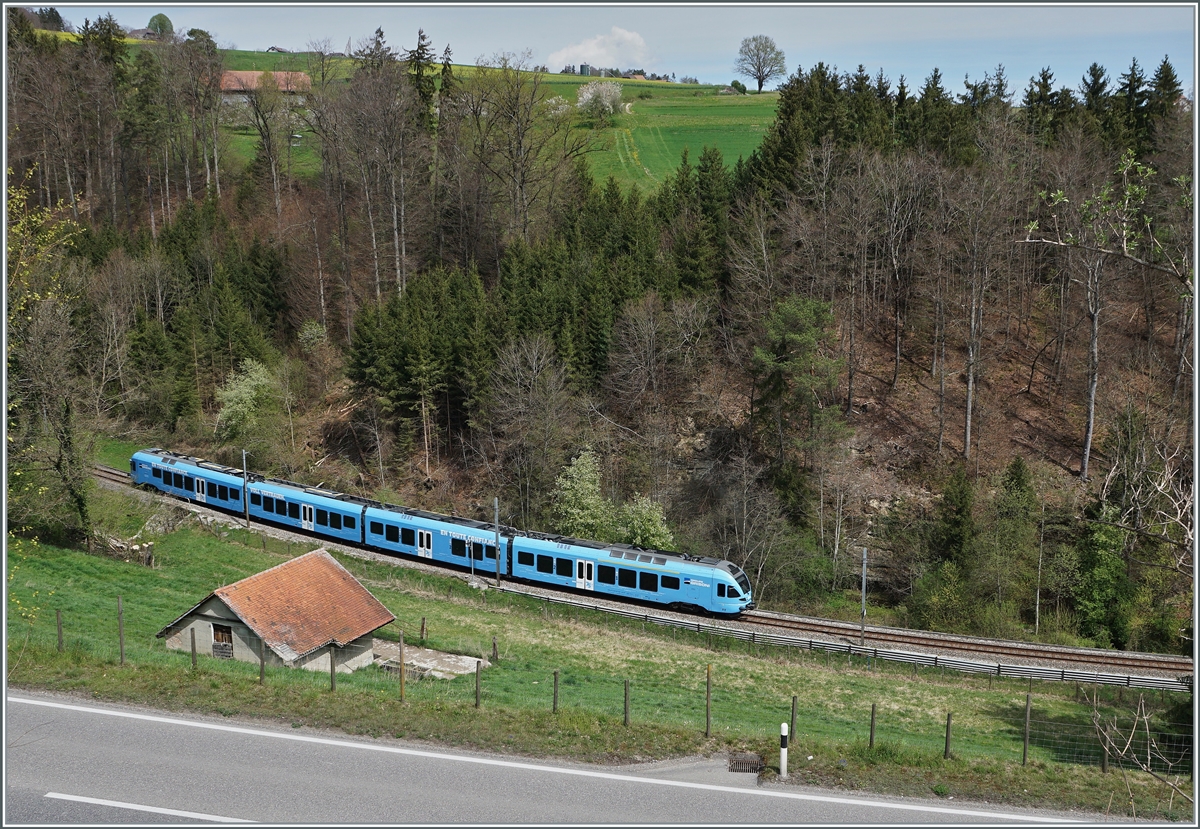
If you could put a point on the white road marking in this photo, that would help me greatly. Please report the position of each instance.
(137, 807)
(484, 761)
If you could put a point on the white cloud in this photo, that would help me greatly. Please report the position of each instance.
(620, 49)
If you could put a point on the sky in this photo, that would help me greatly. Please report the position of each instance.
(702, 40)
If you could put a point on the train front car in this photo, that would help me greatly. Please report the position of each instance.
(195, 479)
(731, 589)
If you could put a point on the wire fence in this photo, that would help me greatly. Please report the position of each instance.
(684, 699)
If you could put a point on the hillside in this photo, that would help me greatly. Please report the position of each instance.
(439, 297)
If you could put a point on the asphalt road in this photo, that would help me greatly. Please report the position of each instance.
(74, 761)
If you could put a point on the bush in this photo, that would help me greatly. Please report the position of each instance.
(739, 86)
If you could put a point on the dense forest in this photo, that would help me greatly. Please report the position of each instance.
(952, 328)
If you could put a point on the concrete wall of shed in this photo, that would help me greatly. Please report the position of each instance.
(357, 654)
(246, 644)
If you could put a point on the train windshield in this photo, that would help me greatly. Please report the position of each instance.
(741, 579)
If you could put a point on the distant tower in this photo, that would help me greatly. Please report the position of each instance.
(584, 69)
(348, 52)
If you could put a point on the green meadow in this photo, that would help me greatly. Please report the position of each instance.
(593, 653)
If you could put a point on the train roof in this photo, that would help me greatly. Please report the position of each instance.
(175, 458)
(457, 520)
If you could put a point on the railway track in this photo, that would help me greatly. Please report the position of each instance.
(996, 650)
(113, 476)
(991, 649)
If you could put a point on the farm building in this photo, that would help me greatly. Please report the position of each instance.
(302, 610)
(235, 84)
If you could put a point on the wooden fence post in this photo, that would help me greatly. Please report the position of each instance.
(262, 660)
(555, 709)
(402, 671)
(1025, 747)
(495, 652)
(193, 632)
(332, 670)
(946, 755)
(478, 669)
(708, 702)
(121, 628)
(627, 703)
(792, 723)
(872, 743)
(422, 628)
(58, 614)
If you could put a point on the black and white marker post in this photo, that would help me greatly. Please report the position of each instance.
(783, 735)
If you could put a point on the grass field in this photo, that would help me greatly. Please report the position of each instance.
(594, 653)
(641, 145)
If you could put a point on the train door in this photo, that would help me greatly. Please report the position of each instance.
(584, 575)
(424, 544)
(199, 486)
(306, 517)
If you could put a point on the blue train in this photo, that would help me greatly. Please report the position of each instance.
(676, 580)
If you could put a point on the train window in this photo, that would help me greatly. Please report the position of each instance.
(490, 551)
(293, 510)
(407, 536)
(476, 551)
(525, 559)
(157, 473)
(393, 533)
(606, 574)
(660, 560)
(566, 567)
(189, 483)
(646, 559)
(322, 517)
(335, 520)
(223, 492)
(255, 499)
(177, 479)
(212, 490)
(235, 494)
(458, 547)
(670, 583)
(616, 554)
(649, 582)
(348, 521)
(268, 505)
(732, 592)
(626, 577)
(720, 591)
(545, 564)
(376, 528)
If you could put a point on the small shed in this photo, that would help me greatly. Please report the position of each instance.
(305, 611)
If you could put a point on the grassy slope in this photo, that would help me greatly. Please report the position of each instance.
(594, 653)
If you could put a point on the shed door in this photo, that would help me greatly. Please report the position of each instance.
(199, 484)
(583, 575)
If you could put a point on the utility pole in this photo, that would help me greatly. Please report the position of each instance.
(496, 506)
(245, 490)
(863, 635)
(1037, 601)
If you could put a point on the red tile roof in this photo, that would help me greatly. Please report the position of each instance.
(302, 605)
(239, 81)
